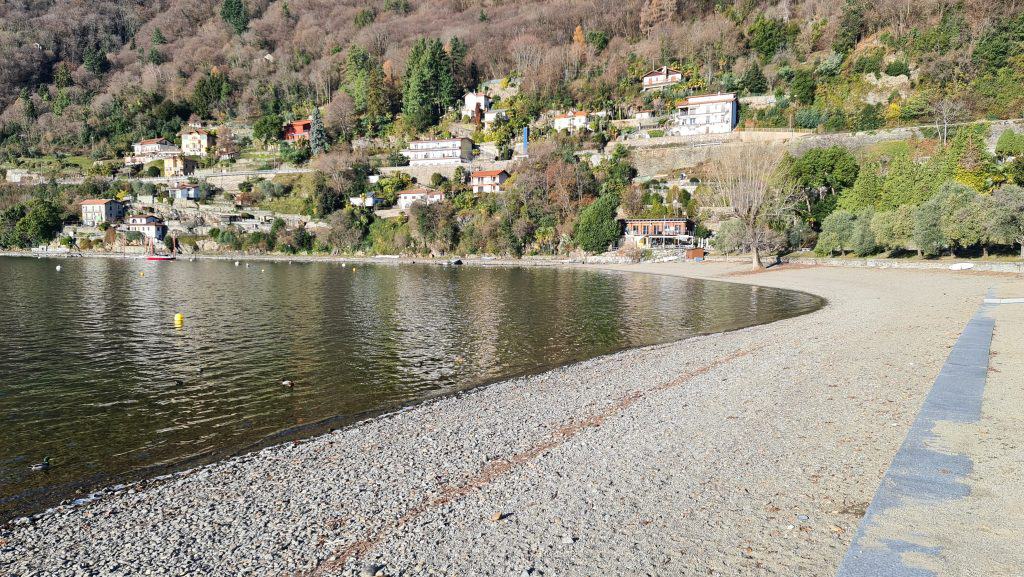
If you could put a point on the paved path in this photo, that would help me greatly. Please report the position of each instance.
(951, 502)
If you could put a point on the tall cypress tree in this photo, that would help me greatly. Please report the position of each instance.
(317, 134)
(235, 14)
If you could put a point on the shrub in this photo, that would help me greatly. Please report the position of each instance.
(898, 68)
(808, 117)
(804, 86)
(831, 65)
(731, 237)
(870, 62)
(598, 226)
(836, 233)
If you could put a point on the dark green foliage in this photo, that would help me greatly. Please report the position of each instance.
(804, 86)
(433, 81)
(95, 61)
(870, 62)
(39, 223)
(754, 81)
(897, 68)
(995, 49)
(598, 39)
(598, 226)
(212, 93)
(767, 36)
(820, 175)
(267, 128)
(158, 37)
(808, 118)
(398, 6)
(295, 153)
(851, 26)
(235, 14)
(317, 135)
(365, 17)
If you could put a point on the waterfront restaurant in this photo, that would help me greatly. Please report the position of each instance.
(659, 232)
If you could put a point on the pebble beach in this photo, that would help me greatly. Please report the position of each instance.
(753, 452)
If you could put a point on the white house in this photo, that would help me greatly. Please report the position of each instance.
(661, 78)
(486, 181)
(369, 200)
(492, 116)
(474, 101)
(97, 210)
(571, 121)
(154, 147)
(197, 141)
(424, 195)
(448, 151)
(185, 191)
(147, 224)
(707, 114)
(151, 149)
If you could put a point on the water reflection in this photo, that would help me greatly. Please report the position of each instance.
(94, 374)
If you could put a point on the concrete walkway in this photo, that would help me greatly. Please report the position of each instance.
(952, 501)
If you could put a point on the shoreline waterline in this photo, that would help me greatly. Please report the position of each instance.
(738, 452)
(305, 431)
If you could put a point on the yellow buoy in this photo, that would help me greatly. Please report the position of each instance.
(179, 320)
(141, 273)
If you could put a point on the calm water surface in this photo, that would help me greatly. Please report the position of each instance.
(94, 373)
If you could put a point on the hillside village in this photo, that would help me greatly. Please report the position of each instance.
(437, 160)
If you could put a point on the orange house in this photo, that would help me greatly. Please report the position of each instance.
(297, 130)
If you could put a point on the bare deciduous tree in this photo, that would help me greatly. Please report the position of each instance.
(745, 178)
(947, 110)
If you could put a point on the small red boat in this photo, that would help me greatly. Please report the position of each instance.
(151, 253)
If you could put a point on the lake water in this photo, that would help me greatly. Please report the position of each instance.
(95, 375)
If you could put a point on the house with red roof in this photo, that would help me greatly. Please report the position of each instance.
(660, 78)
(488, 181)
(297, 130)
(97, 210)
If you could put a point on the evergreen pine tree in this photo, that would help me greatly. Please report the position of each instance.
(754, 80)
(234, 13)
(317, 134)
(158, 37)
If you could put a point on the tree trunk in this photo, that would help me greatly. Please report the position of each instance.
(1022, 249)
(756, 263)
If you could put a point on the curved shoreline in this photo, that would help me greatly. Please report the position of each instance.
(98, 485)
(686, 437)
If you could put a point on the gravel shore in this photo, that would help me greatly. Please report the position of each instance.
(747, 453)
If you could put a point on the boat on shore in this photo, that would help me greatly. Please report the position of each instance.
(152, 254)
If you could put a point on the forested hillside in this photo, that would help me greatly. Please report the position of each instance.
(92, 76)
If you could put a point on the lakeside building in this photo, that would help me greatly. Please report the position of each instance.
(197, 141)
(148, 224)
(97, 210)
(660, 78)
(424, 195)
(707, 114)
(298, 130)
(446, 151)
(488, 181)
(655, 232)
